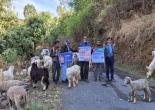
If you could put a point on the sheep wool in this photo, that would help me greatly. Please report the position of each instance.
(5, 85)
(138, 85)
(16, 94)
(73, 75)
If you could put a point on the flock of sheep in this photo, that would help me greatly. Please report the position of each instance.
(39, 71)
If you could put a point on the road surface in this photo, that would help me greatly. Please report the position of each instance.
(95, 96)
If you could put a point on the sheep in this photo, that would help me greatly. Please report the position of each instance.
(17, 95)
(1, 73)
(23, 72)
(151, 67)
(73, 75)
(5, 85)
(39, 74)
(36, 59)
(28, 72)
(8, 74)
(138, 85)
(47, 61)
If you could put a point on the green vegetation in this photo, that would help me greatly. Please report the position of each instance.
(24, 35)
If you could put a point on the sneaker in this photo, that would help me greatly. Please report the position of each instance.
(64, 81)
(112, 80)
(107, 80)
(86, 80)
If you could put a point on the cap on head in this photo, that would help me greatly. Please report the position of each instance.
(98, 42)
(84, 37)
(109, 38)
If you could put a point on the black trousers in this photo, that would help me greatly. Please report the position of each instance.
(55, 71)
(84, 70)
(109, 67)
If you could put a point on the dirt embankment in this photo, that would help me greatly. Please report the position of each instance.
(131, 24)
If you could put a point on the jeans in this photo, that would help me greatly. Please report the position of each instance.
(109, 67)
(64, 68)
(55, 71)
(97, 71)
(84, 70)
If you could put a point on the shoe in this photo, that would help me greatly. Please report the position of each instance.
(56, 82)
(86, 80)
(64, 81)
(104, 84)
(107, 80)
(112, 80)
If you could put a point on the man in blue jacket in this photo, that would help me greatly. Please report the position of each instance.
(84, 64)
(109, 59)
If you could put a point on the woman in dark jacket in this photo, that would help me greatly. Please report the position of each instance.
(109, 59)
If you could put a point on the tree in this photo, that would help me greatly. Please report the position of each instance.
(8, 18)
(4, 5)
(29, 11)
(20, 39)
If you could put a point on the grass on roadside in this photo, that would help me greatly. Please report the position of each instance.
(133, 70)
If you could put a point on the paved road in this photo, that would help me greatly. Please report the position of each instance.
(94, 96)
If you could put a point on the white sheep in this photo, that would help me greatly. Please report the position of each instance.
(8, 74)
(23, 72)
(73, 75)
(138, 85)
(16, 95)
(36, 59)
(5, 85)
(151, 67)
(47, 61)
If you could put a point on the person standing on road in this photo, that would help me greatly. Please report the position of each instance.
(84, 64)
(65, 48)
(109, 59)
(56, 64)
(97, 66)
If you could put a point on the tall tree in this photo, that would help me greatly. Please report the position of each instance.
(7, 17)
(29, 11)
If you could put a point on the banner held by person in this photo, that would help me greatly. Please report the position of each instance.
(65, 58)
(84, 53)
(98, 56)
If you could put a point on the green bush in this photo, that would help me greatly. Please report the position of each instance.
(36, 106)
(9, 55)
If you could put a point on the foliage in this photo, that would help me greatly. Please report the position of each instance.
(19, 38)
(2, 45)
(9, 55)
(29, 11)
(8, 18)
(110, 2)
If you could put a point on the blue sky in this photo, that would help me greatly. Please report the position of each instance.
(40, 5)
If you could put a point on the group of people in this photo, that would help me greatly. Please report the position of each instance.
(109, 61)
(108, 53)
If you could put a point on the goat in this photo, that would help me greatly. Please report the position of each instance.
(39, 74)
(138, 85)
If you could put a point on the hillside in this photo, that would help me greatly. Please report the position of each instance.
(131, 24)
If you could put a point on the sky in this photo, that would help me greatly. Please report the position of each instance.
(40, 5)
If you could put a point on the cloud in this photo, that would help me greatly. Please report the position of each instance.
(40, 5)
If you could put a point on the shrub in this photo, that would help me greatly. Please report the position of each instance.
(9, 55)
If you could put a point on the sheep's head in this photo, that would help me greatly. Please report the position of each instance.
(148, 74)
(34, 65)
(12, 67)
(127, 80)
(153, 53)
